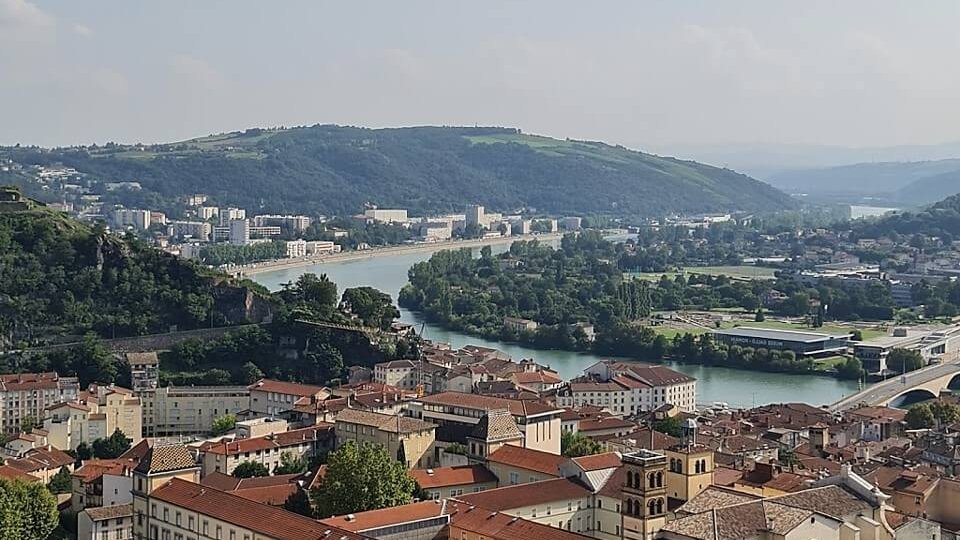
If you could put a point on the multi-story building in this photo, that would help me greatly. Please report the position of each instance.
(409, 440)
(297, 224)
(385, 215)
(629, 388)
(457, 413)
(27, 395)
(269, 397)
(103, 410)
(571, 223)
(207, 212)
(231, 214)
(106, 523)
(321, 247)
(131, 217)
(144, 371)
(404, 374)
(239, 232)
(224, 456)
(189, 410)
(193, 230)
(442, 482)
(517, 325)
(296, 248)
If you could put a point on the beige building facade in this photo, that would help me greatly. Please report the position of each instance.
(104, 410)
(190, 410)
(408, 440)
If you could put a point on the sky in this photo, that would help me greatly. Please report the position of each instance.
(655, 75)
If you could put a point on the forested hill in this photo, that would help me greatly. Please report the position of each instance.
(60, 277)
(336, 170)
(941, 219)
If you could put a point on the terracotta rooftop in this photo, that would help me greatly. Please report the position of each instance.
(834, 501)
(104, 513)
(272, 490)
(525, 458)
(596, 462)
(31, 381)
(374, 519)
(486, 403)
(535, 377)
(287, 388)
(533, 493)
(887, 414)
(11, 473)
(277, 440)
(603, 423)
(497, 426)
(497, 526)
(260, 518)
(714, 497)
(165, 458)
(37, 459)
(743, 521)
(142, 358)
(93, 469)
(459, 475)
(384, 422)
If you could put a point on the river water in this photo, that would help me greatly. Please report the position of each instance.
(738, 388)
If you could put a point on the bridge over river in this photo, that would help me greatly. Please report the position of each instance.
(924, 383)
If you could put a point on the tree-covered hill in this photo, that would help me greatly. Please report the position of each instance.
(940, 219)
(336, 170)
(60, 277)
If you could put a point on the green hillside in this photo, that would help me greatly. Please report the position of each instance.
(940, 219)
(59, 277)
(336, 170)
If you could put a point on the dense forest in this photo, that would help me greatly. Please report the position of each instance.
(61, 277)
(941, 219)
(424, 169)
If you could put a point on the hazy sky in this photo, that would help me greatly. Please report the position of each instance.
(652, 75)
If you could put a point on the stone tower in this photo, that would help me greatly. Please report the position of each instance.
(690, 465)
(644, 494)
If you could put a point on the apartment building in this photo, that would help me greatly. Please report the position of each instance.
(224, 456)
(144, 371)
(409, 440)
(106, 523)
(189, 410)
(101, 411)
(457, 413)
(195, 230)
(629, 388)
(444, 482)
(179, 509)
(269, 397)
(27, 395)
(297, 224)
(404, 374)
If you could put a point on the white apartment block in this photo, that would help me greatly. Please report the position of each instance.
(270, 398)
(130, 217)
(26, 395)
(297, 224)
(403, 374)
(100, 412)
(296, 248)
(629, 388)
(196, 230)
(106, 523)
(189, 410)
(385, 215)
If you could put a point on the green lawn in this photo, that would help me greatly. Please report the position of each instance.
(744, 272)
(830, 363)
(868, 333)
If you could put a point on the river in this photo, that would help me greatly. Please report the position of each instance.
(739, 388)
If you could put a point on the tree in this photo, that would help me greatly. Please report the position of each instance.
(788, 457)
(857, 335)
(759, 317)
(27, 511)
(920, 417)
(904, 360)
(61, 482)
(578, 444)
(670, 425)
(216, 377)
(250, 373)
(250, 469)
(223, 424)
(84, 452)
(945, 413)
(27, 424)
(299, 503)
(290, 464)
(851, 369)
(361, 477)
(111, 447)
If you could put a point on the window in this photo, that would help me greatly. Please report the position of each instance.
(104, 535)
(219, 532)
(514, 478)
(177, 518)
(206, 528)
(190, 523)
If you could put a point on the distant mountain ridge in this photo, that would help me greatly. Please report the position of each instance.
(336, 170)
(919, 182)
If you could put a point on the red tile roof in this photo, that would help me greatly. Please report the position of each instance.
(452, 476)
(487, 403)
(373, 519)
(37, 459)
(259, 518)
(10, 473)
(272, 490)
(95, 468)
(532, 377)
(534, 493)
(29, 381)
(525, 458)
(277, 440)
(608, 460)
(497, 526)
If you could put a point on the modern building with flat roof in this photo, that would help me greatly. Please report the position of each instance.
(801, 343)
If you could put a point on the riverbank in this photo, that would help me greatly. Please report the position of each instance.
(251, 269)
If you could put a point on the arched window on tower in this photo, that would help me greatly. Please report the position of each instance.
(652, 480)
(659, 506)
(696, 467)
(659, 479)
(652, 508)
(629, 479)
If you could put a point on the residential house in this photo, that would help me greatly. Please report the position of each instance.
(106, 523)
(409, 440)
(26, 395)
(96, 415)
(443, 482)
(224, 456)
(269, 397)
(403, 374)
